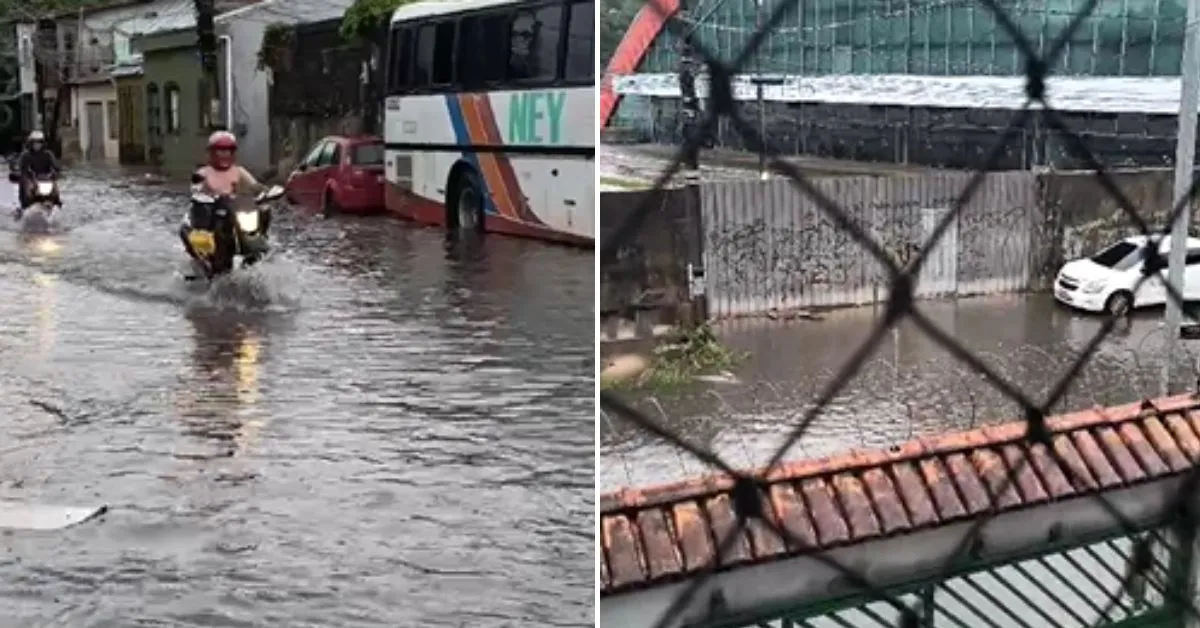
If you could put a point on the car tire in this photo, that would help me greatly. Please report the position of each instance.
(465, 213)
(1119, 303)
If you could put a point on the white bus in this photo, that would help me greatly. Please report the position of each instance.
(490, 116)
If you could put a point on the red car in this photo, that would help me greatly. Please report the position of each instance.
(340, 174)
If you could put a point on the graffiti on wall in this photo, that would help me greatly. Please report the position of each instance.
(768, 246)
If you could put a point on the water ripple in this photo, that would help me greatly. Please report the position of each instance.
(371, 428)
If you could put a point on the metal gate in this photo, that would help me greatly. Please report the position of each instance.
(939, 274)
(768, 246)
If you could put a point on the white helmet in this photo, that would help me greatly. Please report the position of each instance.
(37, 136)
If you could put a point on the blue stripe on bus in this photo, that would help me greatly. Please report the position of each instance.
(462, 136)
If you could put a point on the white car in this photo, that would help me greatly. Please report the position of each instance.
(1106, 281)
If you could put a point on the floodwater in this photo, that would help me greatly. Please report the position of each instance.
(376, 428)
(909, 387)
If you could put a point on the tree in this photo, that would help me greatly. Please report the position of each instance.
(364, 18)
(615, 17)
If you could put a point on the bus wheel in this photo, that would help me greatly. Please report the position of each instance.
(468, 204)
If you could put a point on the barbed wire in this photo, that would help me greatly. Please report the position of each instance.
(748, 492)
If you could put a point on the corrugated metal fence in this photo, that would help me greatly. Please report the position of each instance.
(768, 246)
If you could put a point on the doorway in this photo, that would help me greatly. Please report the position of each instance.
(94, 151)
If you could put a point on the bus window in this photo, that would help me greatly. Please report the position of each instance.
(443, 54)
(534, 44)
(581, 49)
(423, 59)
(399, 68)
(478, 40)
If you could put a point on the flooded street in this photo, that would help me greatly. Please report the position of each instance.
(376, 428)
(910, 387)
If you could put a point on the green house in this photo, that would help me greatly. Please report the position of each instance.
(173, 85)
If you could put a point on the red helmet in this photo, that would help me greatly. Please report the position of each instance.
(221, 141)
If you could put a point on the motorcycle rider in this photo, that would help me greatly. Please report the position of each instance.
(34, 161)
(222, 176)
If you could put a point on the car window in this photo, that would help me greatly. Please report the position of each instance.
(367, 154)
(1120, 256)
(1193, 257)
(327, 153)
(314, 154)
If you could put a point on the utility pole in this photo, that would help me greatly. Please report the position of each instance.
(1185, 154)
(206, 40)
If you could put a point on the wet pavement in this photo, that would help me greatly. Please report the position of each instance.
(910, 386)
(376, 428)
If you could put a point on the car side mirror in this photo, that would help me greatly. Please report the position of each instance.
(13, 178)
(301, 167)
(197, 177)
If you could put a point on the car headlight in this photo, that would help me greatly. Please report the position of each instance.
(1092, 287)
(247, 221)
(45, 188)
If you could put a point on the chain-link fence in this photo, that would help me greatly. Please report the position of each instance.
(748, 493)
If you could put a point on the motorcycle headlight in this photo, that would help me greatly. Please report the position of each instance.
(247, 221)
(45, 188)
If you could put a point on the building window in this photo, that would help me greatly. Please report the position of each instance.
(110, 118)
(153, 119)
(171, 92)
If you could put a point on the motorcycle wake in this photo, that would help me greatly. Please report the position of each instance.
(133, 254)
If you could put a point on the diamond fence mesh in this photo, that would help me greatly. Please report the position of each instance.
(748, 492)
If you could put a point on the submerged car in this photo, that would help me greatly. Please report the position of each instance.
(1108, 280)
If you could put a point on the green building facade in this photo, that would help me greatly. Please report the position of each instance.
(934, 37)
(172, 83)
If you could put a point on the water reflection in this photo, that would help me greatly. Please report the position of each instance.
(46, 318)
(220, 400)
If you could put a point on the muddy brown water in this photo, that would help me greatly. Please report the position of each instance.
(909, 387)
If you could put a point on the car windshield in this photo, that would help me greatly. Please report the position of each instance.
(1119, 256)
(367, 155)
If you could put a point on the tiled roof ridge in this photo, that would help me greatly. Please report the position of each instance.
(662, 533)
(860, 460)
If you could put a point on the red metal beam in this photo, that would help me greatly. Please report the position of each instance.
(642, 32)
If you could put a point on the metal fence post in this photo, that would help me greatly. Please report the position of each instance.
(1181, 589)
(694, 234)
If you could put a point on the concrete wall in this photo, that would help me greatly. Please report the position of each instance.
(940, 137)
(768, 247)
(249, 119)
(183, 149)
(647, 283)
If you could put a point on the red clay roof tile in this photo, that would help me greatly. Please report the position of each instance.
(656, 534)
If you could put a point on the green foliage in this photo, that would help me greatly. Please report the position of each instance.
(365, 16)
(25, 10)
(677, 362)
(615, 17)
(276, 50)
